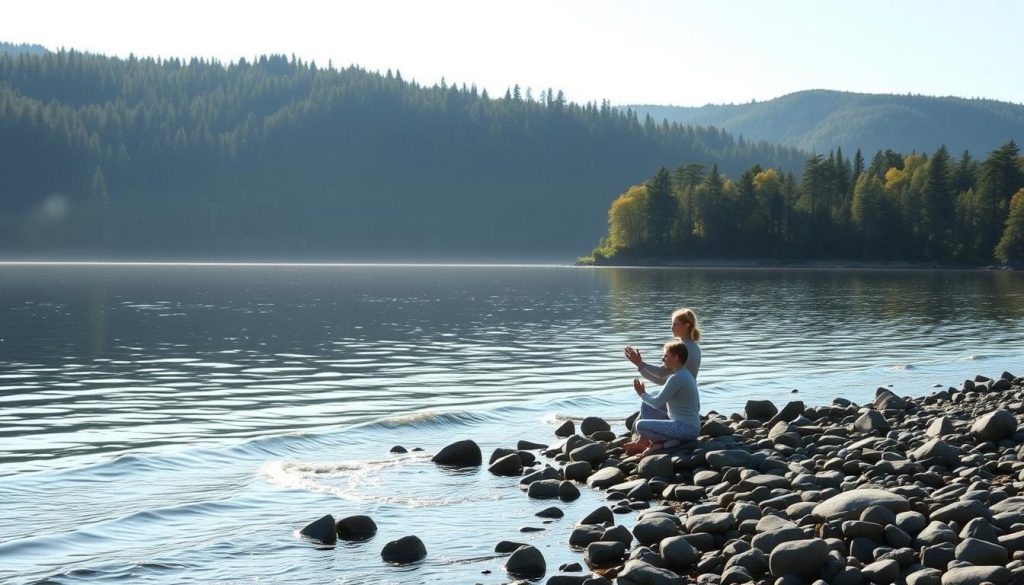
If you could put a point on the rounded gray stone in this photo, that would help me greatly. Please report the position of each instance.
(801, 558)
(849, 505)
(526, 562)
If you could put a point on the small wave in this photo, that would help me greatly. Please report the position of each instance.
(437, 418)
(354, 481)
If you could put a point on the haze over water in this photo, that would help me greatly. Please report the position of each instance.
(177, 423)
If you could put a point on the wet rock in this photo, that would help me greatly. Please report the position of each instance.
(567, 580)
(526, 562)
(788, 413)
(593, 453)
(585, 534)
(604, 552)
(638, 572)
(507, 546)
(760, 409)
(593, 424)
(529, 446)
(566, 429)
(598, 516)
(356, 528)
(459, 454)
(849, 505)
(994, 426)
(552, 512)
(606, 477)
(398, 450)
(618, 533)
(568, 492)
(544, 489)
(509, 465)
(801, 558)
(885, 399)
(322, 530)
(578, 470)
(407, 549)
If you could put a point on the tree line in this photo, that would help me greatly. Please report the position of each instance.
(907, 207)
(278, 156)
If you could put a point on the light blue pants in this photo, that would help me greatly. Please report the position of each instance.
(653, 424)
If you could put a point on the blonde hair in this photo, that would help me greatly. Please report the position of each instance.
(688, 316)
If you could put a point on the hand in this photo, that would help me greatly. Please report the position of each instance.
(633, 355)
(638, 386)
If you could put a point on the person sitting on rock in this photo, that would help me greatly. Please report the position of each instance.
(679, 397)
(686, 330)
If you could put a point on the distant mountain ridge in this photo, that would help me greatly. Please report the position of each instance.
(820, 120)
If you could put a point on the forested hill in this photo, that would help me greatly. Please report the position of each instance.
(279, 159)
(13, 49)
(819, 121)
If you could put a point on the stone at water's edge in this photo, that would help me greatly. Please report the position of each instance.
(592, 424)
(566, 429)
(526, 562)
(509, 465)
(460, 454)
(407, 549)
(849, 505)
(322, 530)
(356, 528)
(760, 410)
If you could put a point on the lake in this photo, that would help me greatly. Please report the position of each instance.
(177, 423)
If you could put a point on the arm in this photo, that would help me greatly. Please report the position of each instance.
(656, 374)
(662, 397)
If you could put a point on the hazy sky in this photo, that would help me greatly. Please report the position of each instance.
(651, 52)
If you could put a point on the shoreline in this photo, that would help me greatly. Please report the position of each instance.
(912, 490)
(767, 263)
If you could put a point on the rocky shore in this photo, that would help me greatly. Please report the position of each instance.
(915, 491)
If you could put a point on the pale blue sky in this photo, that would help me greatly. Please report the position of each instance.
(653, 52)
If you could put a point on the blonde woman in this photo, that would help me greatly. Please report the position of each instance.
(686, 329)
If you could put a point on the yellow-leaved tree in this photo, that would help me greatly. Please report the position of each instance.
(1010, 249)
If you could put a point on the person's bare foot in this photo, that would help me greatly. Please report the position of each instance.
(671, 443)
(638, 446)
(654, 447)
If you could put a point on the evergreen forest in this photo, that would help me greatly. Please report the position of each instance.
(276, 158)
(894, 207)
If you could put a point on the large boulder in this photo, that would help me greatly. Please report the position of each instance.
(460, 454)
(607, 477)
(527, 563)
(938, 450)
(322, 530)
(849, 505)
(979, 552)
(407, 549)
(604, 552)
(509, 465)
(356, 528)
(655, 466)
(994, 426)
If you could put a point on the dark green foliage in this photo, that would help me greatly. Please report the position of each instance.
(818, 120)
(278, 158)
(903, 208)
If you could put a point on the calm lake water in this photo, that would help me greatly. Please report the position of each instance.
(174, 424)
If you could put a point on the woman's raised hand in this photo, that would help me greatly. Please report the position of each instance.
(638, 386)
(633, 355)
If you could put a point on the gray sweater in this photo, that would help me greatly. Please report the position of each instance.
(681, 397)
